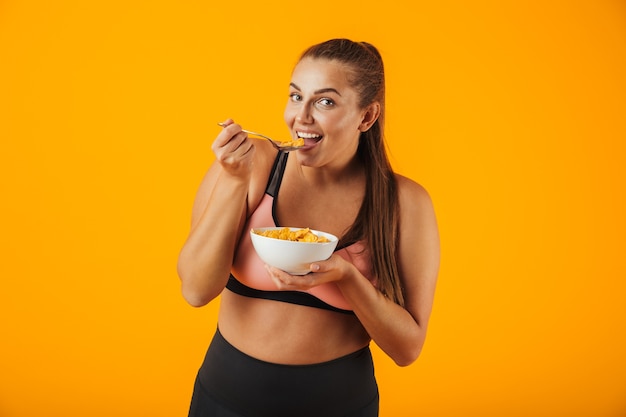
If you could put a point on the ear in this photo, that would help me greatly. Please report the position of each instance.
(370, 115)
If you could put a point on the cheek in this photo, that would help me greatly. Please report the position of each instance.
(341, 125)
(289, 115)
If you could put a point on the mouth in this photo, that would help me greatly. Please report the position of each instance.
(310, 139)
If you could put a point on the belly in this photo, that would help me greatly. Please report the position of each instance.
(286, 333)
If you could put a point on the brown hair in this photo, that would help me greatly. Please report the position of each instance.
(377, 221)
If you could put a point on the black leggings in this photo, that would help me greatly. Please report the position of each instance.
(233, 384)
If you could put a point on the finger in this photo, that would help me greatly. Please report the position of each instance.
(275, 276)
(241, 156)
(322, 266)
(235, 142)
(286, 281)
(227, 134)
(226, 122)
(226, 147)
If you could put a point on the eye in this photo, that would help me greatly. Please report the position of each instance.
(295, 97)
(326, 102)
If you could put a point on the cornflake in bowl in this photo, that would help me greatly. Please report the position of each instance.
(292, 249)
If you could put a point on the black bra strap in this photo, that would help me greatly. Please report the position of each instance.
(276, 177)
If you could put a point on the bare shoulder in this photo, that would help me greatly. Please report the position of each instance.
(419, 234)
(413, 197)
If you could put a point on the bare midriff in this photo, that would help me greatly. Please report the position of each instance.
(286, 333)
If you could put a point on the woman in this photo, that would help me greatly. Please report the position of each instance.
(298, 345)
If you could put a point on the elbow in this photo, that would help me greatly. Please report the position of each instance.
(408, 357)
(410, 353)
(194, 295)
(195, 299)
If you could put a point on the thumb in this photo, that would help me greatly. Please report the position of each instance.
(321, 266)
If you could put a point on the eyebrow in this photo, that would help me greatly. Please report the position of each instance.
(320, 91)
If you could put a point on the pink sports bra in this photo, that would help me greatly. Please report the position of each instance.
(249, 277)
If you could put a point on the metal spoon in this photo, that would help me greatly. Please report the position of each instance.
(277, 144)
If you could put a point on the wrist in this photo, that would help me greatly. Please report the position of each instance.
(349, 275)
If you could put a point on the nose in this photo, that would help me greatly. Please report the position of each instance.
(304, 114)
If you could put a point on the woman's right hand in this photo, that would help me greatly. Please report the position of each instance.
(234, 150)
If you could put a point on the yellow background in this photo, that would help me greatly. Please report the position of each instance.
(512, 114)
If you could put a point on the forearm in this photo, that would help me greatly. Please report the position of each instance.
(391, 326)
(205, 260)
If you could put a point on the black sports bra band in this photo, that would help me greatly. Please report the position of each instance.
(292, 297)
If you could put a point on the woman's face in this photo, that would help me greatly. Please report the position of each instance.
(323, 109)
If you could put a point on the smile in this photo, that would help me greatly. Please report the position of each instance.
(304, 135)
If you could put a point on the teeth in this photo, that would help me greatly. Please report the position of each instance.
(308, 135)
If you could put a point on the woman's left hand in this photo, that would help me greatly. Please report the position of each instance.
(333, 269)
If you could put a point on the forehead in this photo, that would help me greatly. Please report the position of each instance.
(319, 73)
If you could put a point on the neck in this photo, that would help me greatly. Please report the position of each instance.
(333, 174)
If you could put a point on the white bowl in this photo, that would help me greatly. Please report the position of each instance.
(292, 256)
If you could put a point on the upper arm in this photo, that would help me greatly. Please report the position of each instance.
(418, 250)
